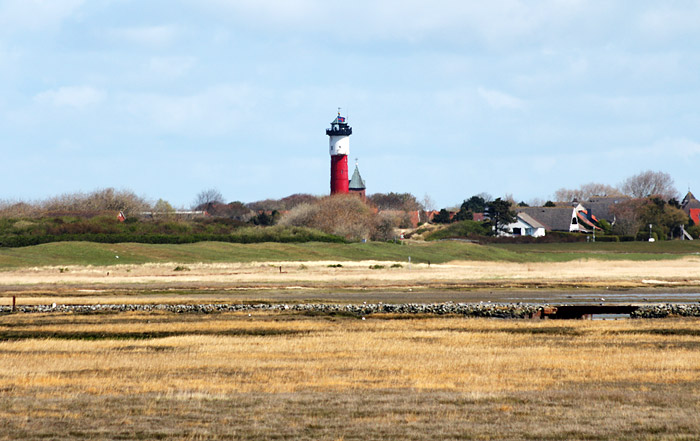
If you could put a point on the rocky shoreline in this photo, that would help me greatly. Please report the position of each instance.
(488, 310)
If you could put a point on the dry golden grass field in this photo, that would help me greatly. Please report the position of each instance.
(289, 281)
(286, 376)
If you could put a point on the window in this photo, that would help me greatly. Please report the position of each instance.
(517, 231)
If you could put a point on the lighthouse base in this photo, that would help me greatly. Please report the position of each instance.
(339, 174)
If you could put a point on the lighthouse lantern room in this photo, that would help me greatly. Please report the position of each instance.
(339, 147)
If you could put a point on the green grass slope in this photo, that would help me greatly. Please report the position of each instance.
(99, 254)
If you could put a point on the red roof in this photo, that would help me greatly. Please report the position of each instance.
(695, 215)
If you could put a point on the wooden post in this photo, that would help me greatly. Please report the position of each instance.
(14, 303)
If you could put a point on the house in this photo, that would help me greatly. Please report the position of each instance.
(524, 225)
(603, 208)
(563, 218)
(691, 206)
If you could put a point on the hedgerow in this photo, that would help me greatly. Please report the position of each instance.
(241, 235)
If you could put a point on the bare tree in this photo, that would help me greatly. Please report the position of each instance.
(98, 201)
(428, 203)
(627, 215)
(394, 201)
(536, 202)
(18, 209)
(650, 183)
(509, 197)
(585, 191)
(205, 197)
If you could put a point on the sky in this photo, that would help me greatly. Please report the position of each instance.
(447, 98)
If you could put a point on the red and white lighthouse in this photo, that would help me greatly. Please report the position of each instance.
(339, 146)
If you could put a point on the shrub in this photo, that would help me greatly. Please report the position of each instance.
(342, 215)
(607, 238)
(376, 267)
(694, 231)
(461, 229)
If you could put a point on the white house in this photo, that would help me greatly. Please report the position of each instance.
(560, 218)
(524, 225)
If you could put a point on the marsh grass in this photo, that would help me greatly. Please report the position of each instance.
(230, 376)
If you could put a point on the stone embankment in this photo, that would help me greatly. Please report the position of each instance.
(667, 310)
(490, 310)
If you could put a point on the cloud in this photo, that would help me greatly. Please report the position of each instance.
(151, 36)
(500, 100)
(213, 111)
(71, 96)
(36, 14)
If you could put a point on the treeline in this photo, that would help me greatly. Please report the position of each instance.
(648, 198)
(97, 217)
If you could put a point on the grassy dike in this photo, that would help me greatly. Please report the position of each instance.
(99, 254)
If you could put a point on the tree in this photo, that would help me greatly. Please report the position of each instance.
(264, 219)
(462, 215)
(649, 183)
(500, 215)
(284, 204)
(475, 204)
(585, 192)
(163, 208)
(394, 201)
(204, 197)
(635, 215)
(443, 217)
(605, 226)
(428, 203)
(549, 204)
(627, 220)
(238, 210)
(664, 218)
(535, 202)
(98, 201)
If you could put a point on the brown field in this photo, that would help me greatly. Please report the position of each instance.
(283, 376)
(255, 281)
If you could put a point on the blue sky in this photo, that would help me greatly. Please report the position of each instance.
(446, 98)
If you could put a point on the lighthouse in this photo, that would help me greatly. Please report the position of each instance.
(339, 147)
